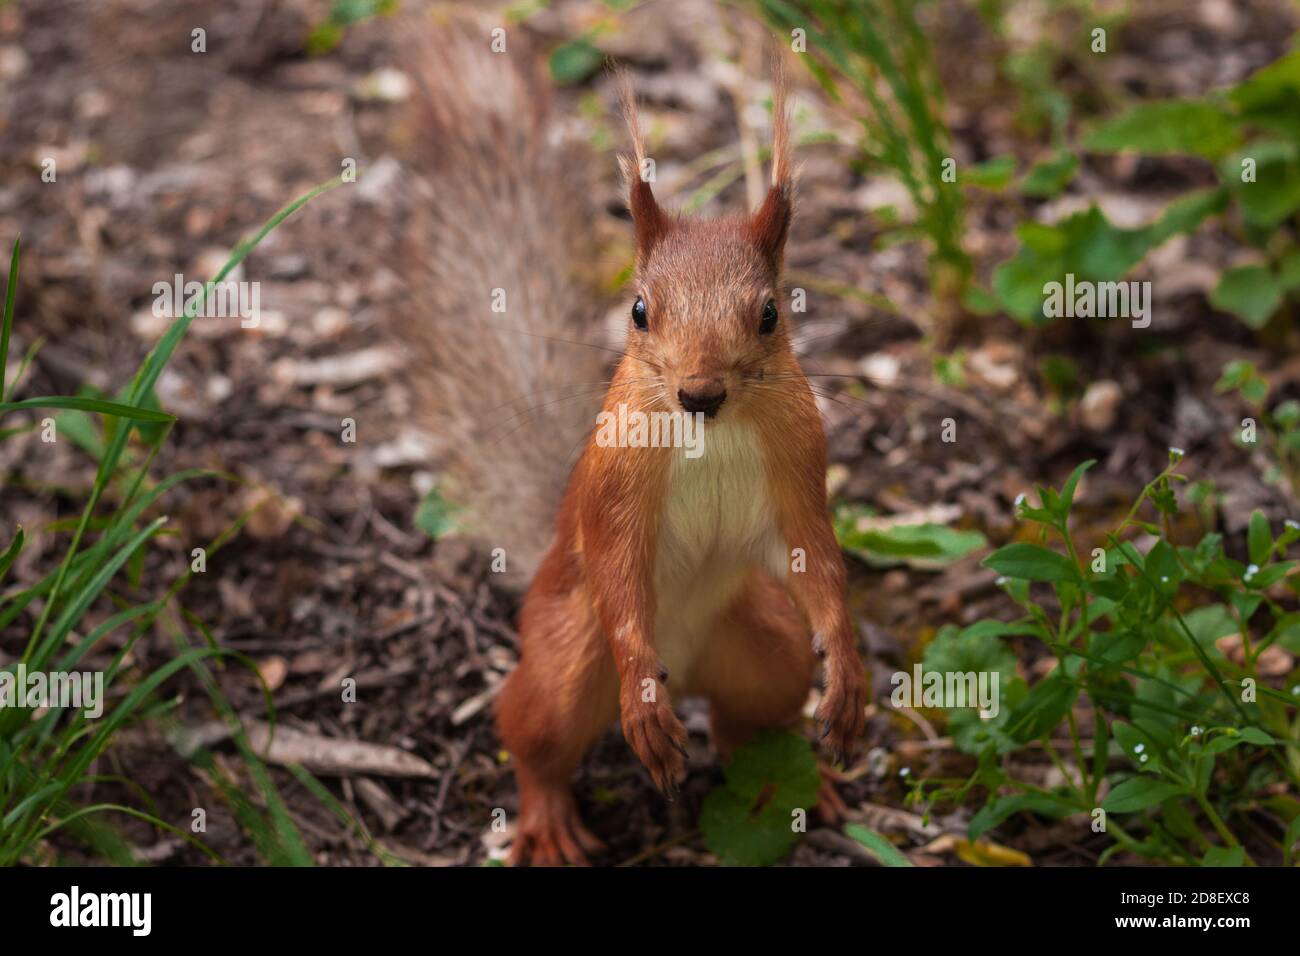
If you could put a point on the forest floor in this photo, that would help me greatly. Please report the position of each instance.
(166, 159)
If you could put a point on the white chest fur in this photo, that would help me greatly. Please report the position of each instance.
(718, 523)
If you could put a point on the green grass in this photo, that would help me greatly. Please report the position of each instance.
(877, 48)
(46, 762)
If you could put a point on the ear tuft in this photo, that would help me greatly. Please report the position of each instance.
(781, 173)
(649, 220)
(771, 223)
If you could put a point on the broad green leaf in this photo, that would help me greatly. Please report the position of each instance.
(1196, 127)
(748, 821)
(1264, 176)
(1046, 706)
(1224, 856)
(1138, 793)
(1047, 178)
(1004, 807)
(1138, 746)
(1270, 97)
(920, 545)
(1249, 292)
(991, 174)
(1032, 562)
(1088, 247)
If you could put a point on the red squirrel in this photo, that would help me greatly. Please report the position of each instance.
(668, 574)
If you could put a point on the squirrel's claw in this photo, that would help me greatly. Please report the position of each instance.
(843, 710)
(658, 739)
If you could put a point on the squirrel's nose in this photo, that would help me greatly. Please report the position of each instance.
(707, 400)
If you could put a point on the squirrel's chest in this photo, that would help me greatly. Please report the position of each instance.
(718, 523)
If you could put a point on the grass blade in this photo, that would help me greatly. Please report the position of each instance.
(7, 320)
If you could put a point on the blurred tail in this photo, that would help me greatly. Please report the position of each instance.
(502, 311)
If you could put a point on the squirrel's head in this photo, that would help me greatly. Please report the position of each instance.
(707, 329)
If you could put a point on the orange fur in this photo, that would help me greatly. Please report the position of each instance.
(639, 537)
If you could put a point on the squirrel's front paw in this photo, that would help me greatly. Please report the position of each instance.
(657, 737)
(842, 712)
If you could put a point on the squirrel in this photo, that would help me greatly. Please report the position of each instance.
(667, 573)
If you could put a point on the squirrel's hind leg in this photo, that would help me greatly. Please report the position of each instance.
(758, 666)
(756, 674)
(557, 700)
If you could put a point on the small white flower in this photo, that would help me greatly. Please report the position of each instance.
(1139, 748)
(1292, 524)
(1196, 731)
(1020, 499)
(1145, 758)
(1164, 579)
(1251, 571)
(904, 772)
(1001, 580)
(1176, 452)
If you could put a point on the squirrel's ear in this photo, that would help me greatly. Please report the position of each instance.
(771, 223)
(649, 220)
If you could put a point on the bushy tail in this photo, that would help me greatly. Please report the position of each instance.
(499, 264)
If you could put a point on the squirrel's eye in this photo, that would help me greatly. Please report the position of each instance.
(638, 313)
(768, 325)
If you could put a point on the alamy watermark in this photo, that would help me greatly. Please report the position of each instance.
(227, 299)
(633, 428)
(78, 690)
(1082, 299)
(947, 689)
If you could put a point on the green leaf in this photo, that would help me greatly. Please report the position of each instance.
(885, 852)
(435, 516)
(1088, 247)
(991, 174)
(1168, 126)
(323, 38)
(1138, 793)
(1253, 735)
(1290, 839)
(1067, 489)
(1249, 292)
(1224, 856)
(1046, 179)
(1270, 97)
(977, 649)
(1259, 538)
(1002, 808)
(1136, 745)
(1264, 176)
(748, 821)
(920, 545)
(573, 62)
(1288, 271)
(1046, 706)
(1032, 562)
(89, 405)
